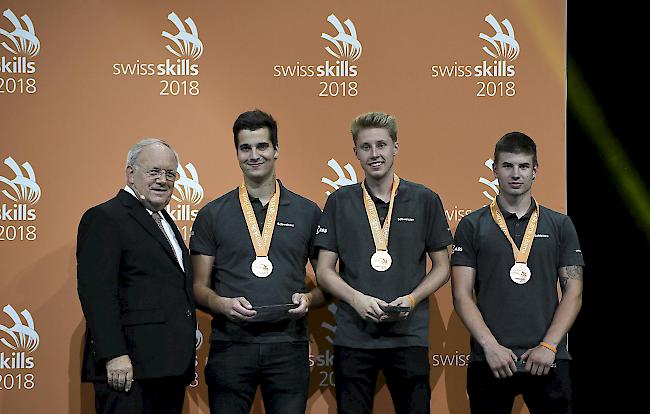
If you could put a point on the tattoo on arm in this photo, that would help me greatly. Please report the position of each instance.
(570, 272)
(574, 272)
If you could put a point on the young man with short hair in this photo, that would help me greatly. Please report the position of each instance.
(510, 255)
(249, 249)
(380, 232)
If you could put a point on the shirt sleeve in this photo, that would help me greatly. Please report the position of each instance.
(570, 252)
(463, 252)
(438, 233)
(315, 221)
(326, 230)
(202, 240)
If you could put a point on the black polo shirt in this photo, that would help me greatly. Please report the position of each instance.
(518, 315)
(220, 231)
(418, 225)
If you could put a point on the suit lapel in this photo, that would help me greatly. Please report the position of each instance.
(179, 238)
(142, 216)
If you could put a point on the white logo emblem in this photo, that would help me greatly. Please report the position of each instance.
(25, 189)
(494, 184)
(342, 179)
(199, 338)
(188, 188)
(23, 337)
(188, 45)
(332, 328)
(23, 41)
(505, 46)
(347, 45)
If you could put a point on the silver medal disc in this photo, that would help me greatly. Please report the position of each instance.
(520, 273)
(381, 260)
(262, 266)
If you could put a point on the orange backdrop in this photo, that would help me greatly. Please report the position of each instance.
(81, 81)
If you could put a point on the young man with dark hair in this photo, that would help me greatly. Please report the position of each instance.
(250, 248)
(380, 233)
(510, 255)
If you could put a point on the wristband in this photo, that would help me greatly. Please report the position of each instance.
(412, 300)
(548, 346)
(308, 298)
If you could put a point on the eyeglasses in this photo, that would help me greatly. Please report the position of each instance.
(154, 173)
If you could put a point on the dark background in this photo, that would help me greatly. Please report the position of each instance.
(610, 359)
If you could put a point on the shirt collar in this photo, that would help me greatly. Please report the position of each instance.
(130, 191)
(507, 214)
(400, 189)
(284, 196)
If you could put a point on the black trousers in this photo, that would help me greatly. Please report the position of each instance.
(234, 371)
(407, 375)
(147, 396)
(544, 394)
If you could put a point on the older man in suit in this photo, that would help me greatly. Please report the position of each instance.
(135, 287)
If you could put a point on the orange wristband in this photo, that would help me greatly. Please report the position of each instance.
(412, 300)
(548, 346)
(308, 297)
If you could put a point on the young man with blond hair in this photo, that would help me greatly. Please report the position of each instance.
(380, 232)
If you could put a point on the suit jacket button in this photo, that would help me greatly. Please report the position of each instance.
(188, 313)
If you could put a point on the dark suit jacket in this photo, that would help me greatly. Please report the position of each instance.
(136, 298)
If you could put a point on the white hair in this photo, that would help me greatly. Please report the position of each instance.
(136, 149)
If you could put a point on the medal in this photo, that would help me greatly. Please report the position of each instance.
(520, 273)
(381, 260)
(261, 266)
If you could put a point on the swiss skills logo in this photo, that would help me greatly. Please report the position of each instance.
(493, 185)
(187, 45)
(336, 75)
(342, 179)
(19, 339)
(321, 360)
(20, 192)
(187, 195)
(494, 75)
(19, 47)
(198, 341)
(176, 74)
(502, 45)
(348, 47)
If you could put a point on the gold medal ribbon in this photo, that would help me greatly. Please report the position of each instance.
(520, 254)
(379, 233)
(261, 242)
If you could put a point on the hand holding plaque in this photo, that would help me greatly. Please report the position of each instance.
(368, 307)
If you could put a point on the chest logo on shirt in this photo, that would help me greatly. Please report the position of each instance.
(321, 230)
(281, 224)
(405, 219)
(542, 236)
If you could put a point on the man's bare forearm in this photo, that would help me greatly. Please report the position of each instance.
(437, 276)
(569, 307)
(332, 283)
(206, 299)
